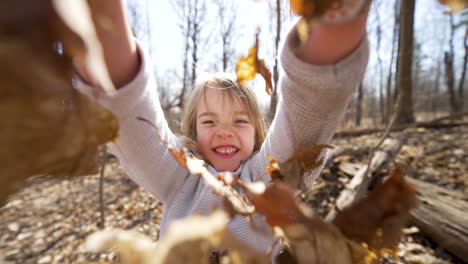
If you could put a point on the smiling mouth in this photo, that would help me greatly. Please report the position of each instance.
(225, 152)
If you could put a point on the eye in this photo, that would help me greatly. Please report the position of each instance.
(207, 122)
(241, 121)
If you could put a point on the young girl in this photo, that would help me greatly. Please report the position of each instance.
(223, 123)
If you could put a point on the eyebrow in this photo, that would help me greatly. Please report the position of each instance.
(213, 114)
(206, 114)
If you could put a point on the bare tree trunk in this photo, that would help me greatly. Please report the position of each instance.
(194, 38)
(183, 9)
(390, 100)
(359, 105)
(380, 63)
(405, 114)
(449, 73)
(227, 20)
(461, 83)
(274, 95)
(435, 94)
(185, 63)
(192, 13)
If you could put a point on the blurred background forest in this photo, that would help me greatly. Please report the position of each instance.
(212, 34)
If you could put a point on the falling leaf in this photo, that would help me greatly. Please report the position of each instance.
(292, 170)
(383, 212)
(48, 128)
(455, 5)
(248, 67)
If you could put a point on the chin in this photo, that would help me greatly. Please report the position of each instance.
(230, 168)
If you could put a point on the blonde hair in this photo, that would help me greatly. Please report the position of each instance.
(226, 82)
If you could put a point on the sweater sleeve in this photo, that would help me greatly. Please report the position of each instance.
(312, 102)
(144, 157)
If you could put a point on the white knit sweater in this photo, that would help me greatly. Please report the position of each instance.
(313, 100)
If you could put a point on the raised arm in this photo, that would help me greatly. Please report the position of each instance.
(320, 75)
(143, 155)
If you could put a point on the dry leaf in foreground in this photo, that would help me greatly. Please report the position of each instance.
(306, 236)
(383, 212)
(189, 240)
(359, 234)
(47, 126)
(292, 170)
(248, 67)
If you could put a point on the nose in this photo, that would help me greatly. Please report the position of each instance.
(224, 132)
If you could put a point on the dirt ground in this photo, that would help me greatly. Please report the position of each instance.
(48, 219)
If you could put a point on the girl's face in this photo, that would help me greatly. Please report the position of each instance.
(225, 133)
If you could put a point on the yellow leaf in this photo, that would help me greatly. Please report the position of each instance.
(455, 5)
(248, 67)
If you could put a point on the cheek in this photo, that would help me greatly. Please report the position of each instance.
(249, 138)
(202, 138)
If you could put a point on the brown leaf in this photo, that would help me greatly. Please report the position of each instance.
(307, 237)
(248, 67)
(379, 218)
(47, 126)
(278, 204)
(292, 171)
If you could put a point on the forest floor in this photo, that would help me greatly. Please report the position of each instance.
(48, 219)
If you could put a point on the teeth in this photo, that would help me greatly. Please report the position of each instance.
(225, 150)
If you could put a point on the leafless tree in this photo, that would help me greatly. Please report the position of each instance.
(192, 19)
(449, 72)
(279, 12)
(405, 113)
(376, 5)
(227, 19)
(360, 95)
(396, 26)
(461, 83)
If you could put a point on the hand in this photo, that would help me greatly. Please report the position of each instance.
(334, 37)
(115, 35)
(348, 11)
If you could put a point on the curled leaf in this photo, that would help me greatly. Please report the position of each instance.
(47, 126)
(292, 170)
(248, 67)
(383, 212)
